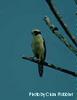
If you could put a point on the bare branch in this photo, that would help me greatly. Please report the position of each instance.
(62, 23)
(54, 30)
(52, 66)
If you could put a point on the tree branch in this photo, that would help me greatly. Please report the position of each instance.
(59, 35)
(59, 18)
(52, 66)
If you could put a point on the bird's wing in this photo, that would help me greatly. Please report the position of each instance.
(44, 48)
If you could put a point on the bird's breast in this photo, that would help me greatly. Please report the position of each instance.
(38, 44)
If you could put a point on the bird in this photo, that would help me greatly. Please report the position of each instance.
(39, 49)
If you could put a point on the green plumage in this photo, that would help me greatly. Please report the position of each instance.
(39, 50)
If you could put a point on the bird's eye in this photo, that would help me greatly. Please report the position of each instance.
(36, 33)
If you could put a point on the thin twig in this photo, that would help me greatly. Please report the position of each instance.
(59, 35)
(62, 23)
(52, 66)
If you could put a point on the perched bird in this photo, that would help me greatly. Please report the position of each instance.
(39, 49)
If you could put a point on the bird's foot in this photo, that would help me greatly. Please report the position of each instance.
(32, 57)
(39, 60)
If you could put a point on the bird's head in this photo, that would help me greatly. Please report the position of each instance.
(36, 32)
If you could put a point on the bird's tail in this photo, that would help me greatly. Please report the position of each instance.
(40, 69)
